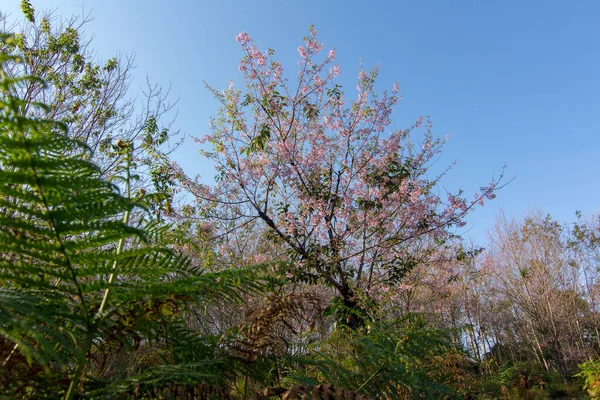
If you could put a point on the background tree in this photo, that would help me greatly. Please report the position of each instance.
(536, 274)
(584, 244)
(92, 97)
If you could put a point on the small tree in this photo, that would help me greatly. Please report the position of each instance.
(349, 197)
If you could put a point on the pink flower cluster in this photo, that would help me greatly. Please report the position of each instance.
(243, 38)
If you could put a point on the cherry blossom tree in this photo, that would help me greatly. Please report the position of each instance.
(348, 196)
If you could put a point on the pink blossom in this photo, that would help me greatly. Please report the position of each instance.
(277, 68)
(479, 199)
(319, 84)
(243, 38)
(457, 203)
(257, 55)
(314, 46)
(331, 54)
(302, 51)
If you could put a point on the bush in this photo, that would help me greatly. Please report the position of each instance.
(590, 372)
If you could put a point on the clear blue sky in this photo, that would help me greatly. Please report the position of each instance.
(515, 82)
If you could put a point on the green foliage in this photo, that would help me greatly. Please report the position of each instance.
(348, 314)
(28, 10)
(392, 360)
(590, 372)
(526, 380)
(77, 281)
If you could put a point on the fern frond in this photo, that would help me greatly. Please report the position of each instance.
(64, 245)
(392, 361)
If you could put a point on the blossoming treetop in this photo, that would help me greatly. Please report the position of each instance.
(325, 174)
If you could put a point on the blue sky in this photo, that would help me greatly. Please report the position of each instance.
(513, 82)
